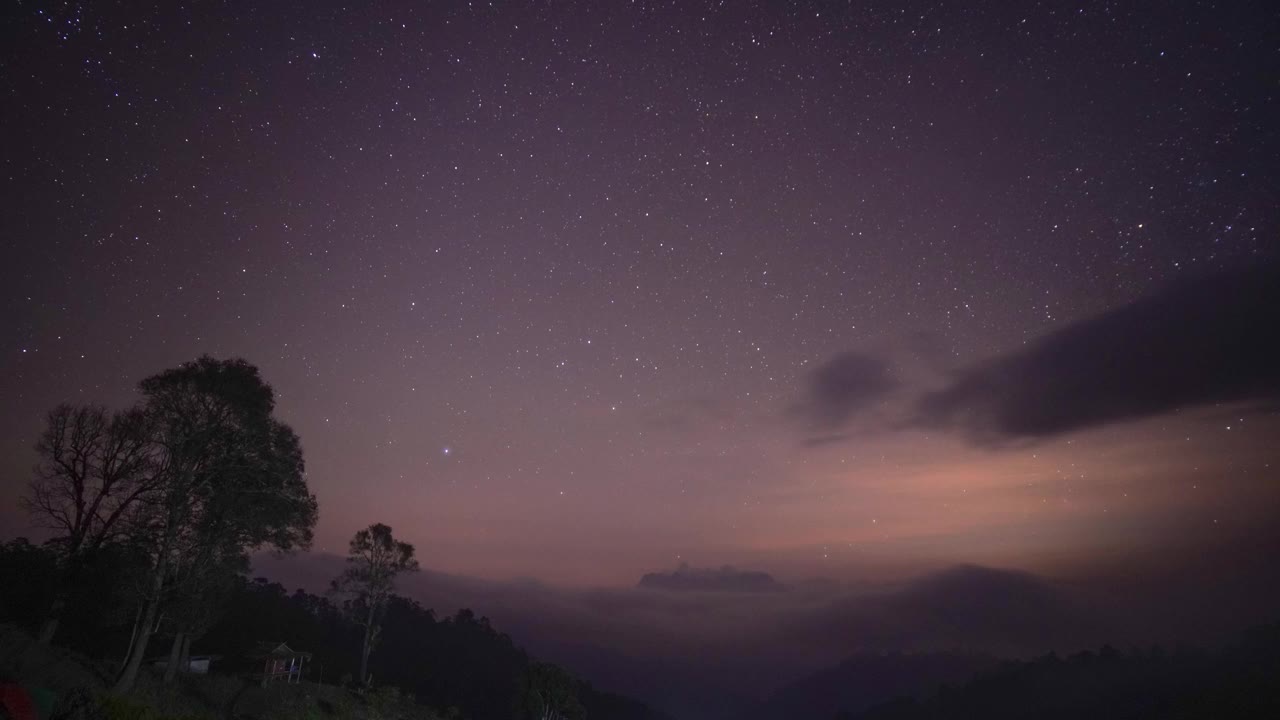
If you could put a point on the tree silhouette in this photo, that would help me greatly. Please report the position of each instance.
(94, 467)
(550, 693)
(375, 559)
(229, 479)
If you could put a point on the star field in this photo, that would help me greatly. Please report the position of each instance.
(543, 286)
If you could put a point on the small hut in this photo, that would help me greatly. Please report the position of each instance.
(280, 662)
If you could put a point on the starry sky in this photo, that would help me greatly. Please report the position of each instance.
(577, 291)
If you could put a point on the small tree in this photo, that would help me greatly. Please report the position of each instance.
(550, 693)
(375, 559)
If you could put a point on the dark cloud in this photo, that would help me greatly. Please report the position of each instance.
(845, 384)
(1210, 339)
(724, 579)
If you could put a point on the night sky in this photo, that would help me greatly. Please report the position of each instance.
(580, 291)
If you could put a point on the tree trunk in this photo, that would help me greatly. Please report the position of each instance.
(368, 647)
(175, 653)
(133, 635)
(130, 673)
(184, 659)
(66, 580)
(50, 626)
(364, 659)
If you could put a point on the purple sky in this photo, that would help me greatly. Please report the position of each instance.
(577, 292)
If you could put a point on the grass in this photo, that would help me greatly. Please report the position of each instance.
(75, 687)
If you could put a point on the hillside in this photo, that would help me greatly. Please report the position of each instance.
(864, 680)
(458, 666)
(68, 685)
(1239, 682)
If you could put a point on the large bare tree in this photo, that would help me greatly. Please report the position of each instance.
(94, 469)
